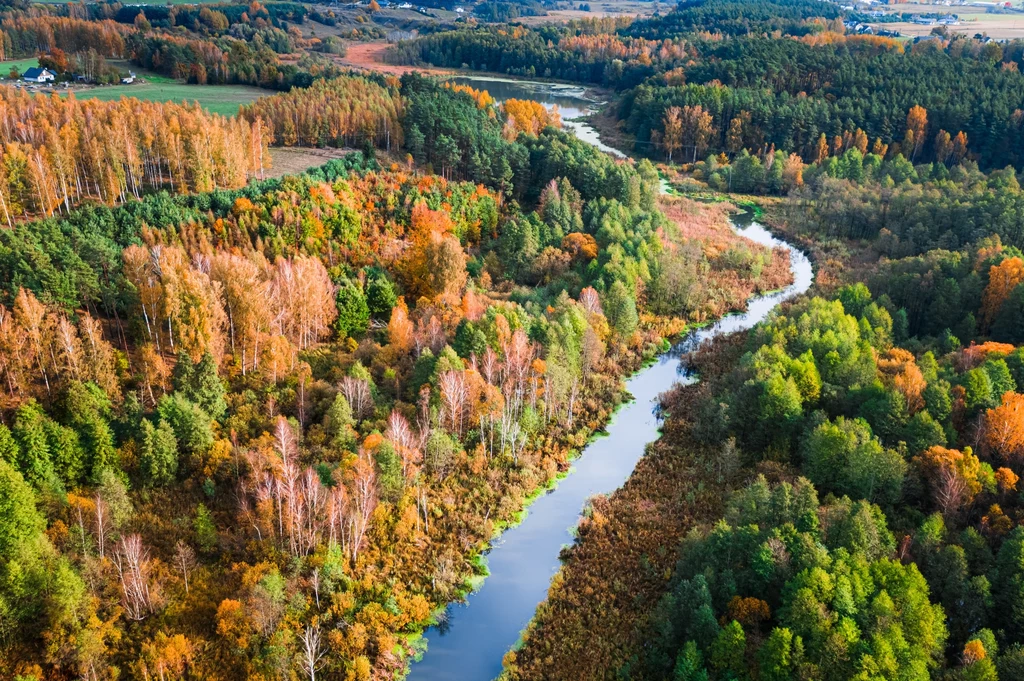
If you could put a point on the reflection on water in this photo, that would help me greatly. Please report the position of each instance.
(522, 561)
(571, 100)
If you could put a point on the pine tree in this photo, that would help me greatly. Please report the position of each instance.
(353, 312)
(158, 454)
(207, 390)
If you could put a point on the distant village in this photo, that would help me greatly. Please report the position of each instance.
(867, 21)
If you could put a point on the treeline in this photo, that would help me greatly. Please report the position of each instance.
(843, 88)
(193, 17)
(342, 112)
(931, 208)
(221, 60)
(823, 83)
(734, 612)
(27, 36)
(522, 51)
(57, 152)
(186, 15)
(731, 18)
(504, 11)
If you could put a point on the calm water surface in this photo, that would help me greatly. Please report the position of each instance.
(523, 560)
(571, 101)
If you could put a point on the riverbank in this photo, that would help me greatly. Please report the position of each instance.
(618, 567)
(526, 558)
(522, 560)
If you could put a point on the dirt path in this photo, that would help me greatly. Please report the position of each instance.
(370, 57)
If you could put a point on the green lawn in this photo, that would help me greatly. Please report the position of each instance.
(21, 64)
(222, 99)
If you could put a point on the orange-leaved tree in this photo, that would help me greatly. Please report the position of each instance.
(1002, 279)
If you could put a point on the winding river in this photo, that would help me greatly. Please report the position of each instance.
(523, 560)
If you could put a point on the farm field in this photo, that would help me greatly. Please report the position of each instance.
(972, 20)
(21, 64)
(370, 57)
(293, 160)
(219, 99)
(998, 26)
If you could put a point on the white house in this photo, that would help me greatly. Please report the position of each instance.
(38, 75)
(129, 79)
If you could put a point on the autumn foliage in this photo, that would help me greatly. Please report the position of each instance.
(58, 151)
(529, 116)
(340, 112)
(1002, 279)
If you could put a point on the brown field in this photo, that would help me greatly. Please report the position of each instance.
(972, 20)
(369, 57)
(294, 160)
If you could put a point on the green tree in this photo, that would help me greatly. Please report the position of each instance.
(775, 657)
(158, 453)
(29, 431)
(845, 458)
(855, 298)
(193, 427)
(353, 311)
(729, 650)
(690, 664)
(8, 447)
(205, 529)
(1000, 376)
(381, 297)
(978, 387)
(184, 368)
(20, 522)
(69, 457)
(389, 473)
(469, 340)
(206, 389)
(922, 432)
(340, 424)
(440, 452)
(88, 411)
(620, 309)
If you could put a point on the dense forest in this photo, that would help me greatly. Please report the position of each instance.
(272, 426)
(709, 78)
(915, 453)
(259, 428)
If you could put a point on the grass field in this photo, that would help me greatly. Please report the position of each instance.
(221, 99)
(972, 20)
(21, 64)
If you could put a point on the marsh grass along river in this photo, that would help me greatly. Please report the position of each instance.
(523, 560)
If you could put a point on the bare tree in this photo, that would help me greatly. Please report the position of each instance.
(454, 398)
(312, 654)
(103, 525)
(314, 581)
(133, 569)
(357, 392)
(407, 443)
(184, 560)
(951, 490)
